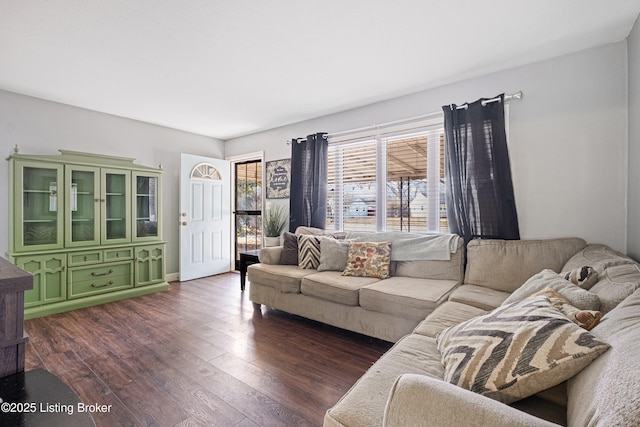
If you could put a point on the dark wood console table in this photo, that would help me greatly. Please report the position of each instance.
(247, 258)
(13, 282)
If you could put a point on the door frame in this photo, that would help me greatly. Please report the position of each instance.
(241, 158)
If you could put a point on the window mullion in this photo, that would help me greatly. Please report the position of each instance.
(338, 198)
(381, 184)
(433, 181)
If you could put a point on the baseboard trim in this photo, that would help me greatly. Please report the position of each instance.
(73, 304)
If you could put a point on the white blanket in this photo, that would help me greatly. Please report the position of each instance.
(412, 247)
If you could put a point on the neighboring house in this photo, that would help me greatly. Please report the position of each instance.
(360, 208)
(419, 206)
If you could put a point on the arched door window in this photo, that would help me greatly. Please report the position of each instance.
(205, 171)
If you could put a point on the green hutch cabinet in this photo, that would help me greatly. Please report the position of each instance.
(87, 227)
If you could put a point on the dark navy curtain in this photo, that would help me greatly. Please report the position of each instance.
(479, 189)
(308, 197)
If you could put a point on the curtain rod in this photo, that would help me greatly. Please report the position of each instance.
(516, 95)
(508, 97)
(299, 140)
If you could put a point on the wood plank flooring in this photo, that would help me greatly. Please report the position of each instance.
(197, 355)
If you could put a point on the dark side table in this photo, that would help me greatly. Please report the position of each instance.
(246, 259)
(40, 399)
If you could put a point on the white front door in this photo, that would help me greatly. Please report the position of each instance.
(205, 217)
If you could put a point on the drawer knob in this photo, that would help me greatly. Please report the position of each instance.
(94, 274)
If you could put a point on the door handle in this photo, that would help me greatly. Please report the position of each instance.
(93, 285)
(94, 274)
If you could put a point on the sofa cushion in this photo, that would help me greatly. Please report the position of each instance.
(333, 254)
(505, 265)
(405, 296)
(332, 286)
(285, 278)
(577, 296)
(598, 256)
(615, 284)
(428, 269)
(516, 350)
(363, 405)
(368, 259)
(270, 255)
(447, 314)
(419, 400)
(607, 392)
(478, 296)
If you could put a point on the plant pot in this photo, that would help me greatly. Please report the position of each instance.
(271, 241)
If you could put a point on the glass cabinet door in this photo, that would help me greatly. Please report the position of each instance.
(82, 185)
(116, 207)
(146, 205)
(39, 192)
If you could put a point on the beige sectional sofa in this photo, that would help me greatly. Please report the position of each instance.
(382, 308)
(405, 387)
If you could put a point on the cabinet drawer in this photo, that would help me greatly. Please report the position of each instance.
(105, 279)
(99, 271)
(118, 254)
(84, 258)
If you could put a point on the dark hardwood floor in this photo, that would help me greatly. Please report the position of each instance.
(198, 355)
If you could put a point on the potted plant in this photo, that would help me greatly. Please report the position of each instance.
(274, 222)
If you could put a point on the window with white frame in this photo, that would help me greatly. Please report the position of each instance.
(388, 181)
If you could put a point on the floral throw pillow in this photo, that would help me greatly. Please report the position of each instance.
(368, 259)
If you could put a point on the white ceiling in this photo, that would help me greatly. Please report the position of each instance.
(226, 68)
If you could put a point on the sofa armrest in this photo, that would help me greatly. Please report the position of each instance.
(270, 255)
(419, 400)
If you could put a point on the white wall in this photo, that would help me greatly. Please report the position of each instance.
(633, 46)
(42, 127)
(568, 139)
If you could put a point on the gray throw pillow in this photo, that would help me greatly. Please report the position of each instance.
(333, 254)
(289, 254)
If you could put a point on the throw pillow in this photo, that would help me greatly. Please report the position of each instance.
(586, 319)
(368, 259)
(289, 254)
(308, 251)
(516, 350)
(333, 254)
(577, 296)
(585, 277)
